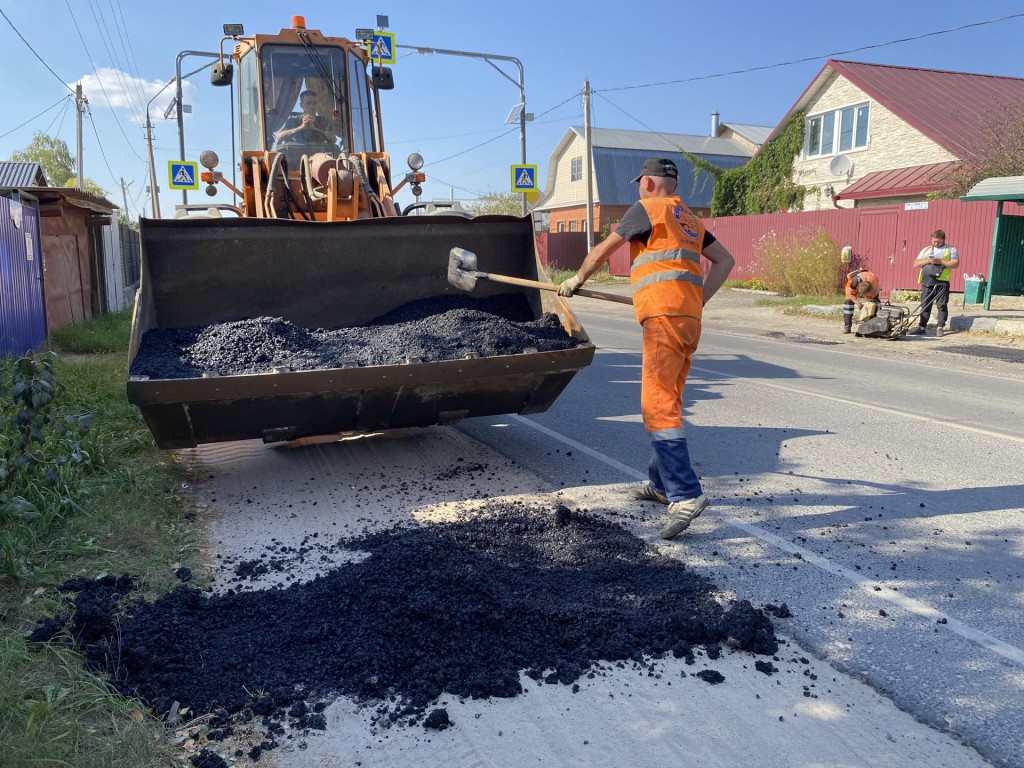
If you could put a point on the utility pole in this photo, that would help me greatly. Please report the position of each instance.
(80, 103)
(124, 194)
(588, 169)
(154, 193)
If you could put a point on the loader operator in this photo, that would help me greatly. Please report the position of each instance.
(861, 286)
(307, 128)
(669, 292)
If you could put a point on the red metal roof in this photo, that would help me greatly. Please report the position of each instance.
(916, 180)
(945, 106)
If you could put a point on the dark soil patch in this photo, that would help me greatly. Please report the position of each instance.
(449, 327)
(458, 607)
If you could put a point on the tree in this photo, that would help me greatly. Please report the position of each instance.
(503, 203)
(58, 164)
(1000, 153)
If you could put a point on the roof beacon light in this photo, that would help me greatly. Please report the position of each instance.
(298, 22)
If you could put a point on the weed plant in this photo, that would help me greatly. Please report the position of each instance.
(83, 492)
(801, 262)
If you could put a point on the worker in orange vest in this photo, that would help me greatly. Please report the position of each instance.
(861, 286)
(670, 290)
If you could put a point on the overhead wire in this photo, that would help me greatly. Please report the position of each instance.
(805, 59)
(100, 81)
(62, 99)
(59, 78)
(107, 39)
(59, 116)
(126, 46)
(100, 145)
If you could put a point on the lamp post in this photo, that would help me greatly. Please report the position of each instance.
(178, 102)
(488, 58)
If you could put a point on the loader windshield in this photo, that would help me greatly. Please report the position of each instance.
(305, 100)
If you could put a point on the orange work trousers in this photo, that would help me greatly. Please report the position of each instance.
(668, 346)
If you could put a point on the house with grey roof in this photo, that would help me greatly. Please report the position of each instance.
(616, 156)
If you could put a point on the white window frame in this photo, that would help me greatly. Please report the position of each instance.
(576, 168)
(830, 145)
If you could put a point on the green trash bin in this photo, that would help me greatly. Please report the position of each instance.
(974, 291)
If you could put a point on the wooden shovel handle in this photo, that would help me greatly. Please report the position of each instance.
(508, 279)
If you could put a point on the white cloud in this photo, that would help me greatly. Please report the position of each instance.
(110, 87)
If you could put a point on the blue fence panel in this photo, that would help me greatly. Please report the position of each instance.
(22, 306)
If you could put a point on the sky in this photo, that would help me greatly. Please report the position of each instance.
(649, 69)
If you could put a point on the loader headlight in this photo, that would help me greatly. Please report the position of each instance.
(415, 161)
(208, 159)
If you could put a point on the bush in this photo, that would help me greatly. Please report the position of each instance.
(799, 263)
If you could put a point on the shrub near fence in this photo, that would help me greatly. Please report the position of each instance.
(800, 262)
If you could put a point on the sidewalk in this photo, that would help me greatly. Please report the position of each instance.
(1005, 315)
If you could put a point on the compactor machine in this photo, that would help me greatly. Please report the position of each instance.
(316, 237)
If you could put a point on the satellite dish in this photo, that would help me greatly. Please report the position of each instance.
(840, 165)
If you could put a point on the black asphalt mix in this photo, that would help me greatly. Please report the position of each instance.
(448, 327)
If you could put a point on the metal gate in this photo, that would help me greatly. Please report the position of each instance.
(876, 236)
(22, 308)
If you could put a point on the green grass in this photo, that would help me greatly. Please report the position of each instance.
(106, 333)
(122, 512)
(786, 302)
(601, 277)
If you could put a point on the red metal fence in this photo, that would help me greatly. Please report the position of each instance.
(886, 239)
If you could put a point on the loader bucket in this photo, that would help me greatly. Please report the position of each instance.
(328, 275)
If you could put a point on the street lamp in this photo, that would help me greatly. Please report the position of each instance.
(521, 106)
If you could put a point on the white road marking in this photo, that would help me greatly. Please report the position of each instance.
(985, 640)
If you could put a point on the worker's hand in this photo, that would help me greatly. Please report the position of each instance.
(570, 286)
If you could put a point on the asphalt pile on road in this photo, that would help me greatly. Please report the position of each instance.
(456, 608)
(449, 327)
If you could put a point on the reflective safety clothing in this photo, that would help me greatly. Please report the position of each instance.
(668, 346)
(944, 275)
(861, 283)
(666, 274)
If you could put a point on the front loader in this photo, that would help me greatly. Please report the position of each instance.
(316, 237)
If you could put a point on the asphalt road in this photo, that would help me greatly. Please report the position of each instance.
(876, 492)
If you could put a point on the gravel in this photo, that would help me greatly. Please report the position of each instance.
(459, 608)
(448, 327)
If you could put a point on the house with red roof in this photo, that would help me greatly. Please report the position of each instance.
(877, 134)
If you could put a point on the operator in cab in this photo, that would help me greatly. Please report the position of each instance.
(307, 128)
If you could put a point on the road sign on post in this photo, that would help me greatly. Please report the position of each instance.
(381, 48)
(524, 178)
(182, 174)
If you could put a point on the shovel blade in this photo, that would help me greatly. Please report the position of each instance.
(462, 269)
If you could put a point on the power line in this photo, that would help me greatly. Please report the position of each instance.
(100, 81)
(59, 78)
(59, 116)
(108, 42)
(133, 66)
(100, 145)
(63, 99)
(820, 56)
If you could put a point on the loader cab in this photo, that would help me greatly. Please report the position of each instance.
(280, 83)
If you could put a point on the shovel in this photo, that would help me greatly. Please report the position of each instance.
(463, 274)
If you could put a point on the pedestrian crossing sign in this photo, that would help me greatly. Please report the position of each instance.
(181, 174)
(524, 178)
(381, 48)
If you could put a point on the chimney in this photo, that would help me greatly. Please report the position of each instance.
(714, 124)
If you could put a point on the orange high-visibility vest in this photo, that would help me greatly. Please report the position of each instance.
(867, 286)
(666, 274)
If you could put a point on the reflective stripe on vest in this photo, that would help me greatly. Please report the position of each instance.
(666, 274)
(944, 275)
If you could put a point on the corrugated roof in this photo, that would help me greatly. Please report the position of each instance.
(756, 134)
(612, 138)
(73, 196)
(896, 182)
(19, 174)
(945, 106)
(616, 168)
(998, 188)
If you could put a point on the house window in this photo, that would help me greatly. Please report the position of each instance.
(583, 225)
(572, 226)
(561, 226)
(576, 169)
(845, 129)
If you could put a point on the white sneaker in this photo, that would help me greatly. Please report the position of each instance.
(648, 492)
(681, 514)
(938, 330)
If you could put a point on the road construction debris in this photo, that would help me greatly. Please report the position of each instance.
(472, 608)
(448, 327)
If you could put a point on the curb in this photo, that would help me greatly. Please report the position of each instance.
(987, 324)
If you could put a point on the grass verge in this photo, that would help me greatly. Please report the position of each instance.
(117, 508)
